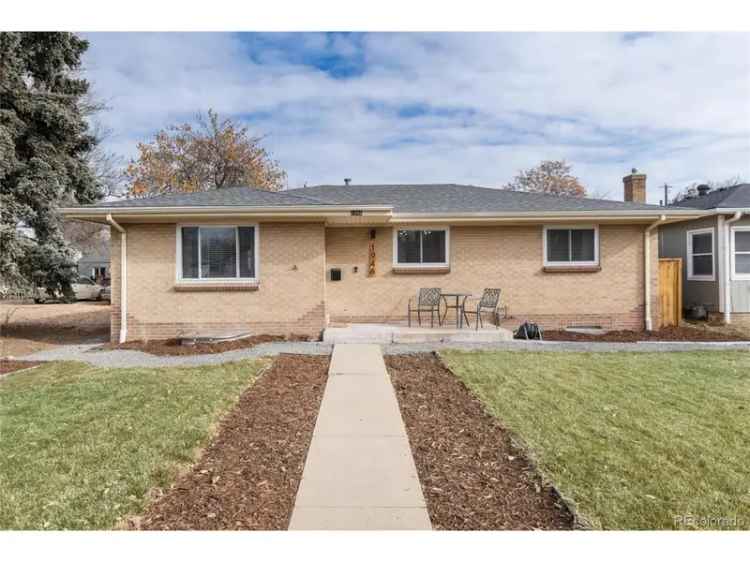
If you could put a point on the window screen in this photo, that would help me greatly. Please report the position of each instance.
(701, 254)
(247, 251)
(190, 252)
(571, 245)
(225, 252)
(433, 246)
(421, 246)
(742, 252)
(409, 246)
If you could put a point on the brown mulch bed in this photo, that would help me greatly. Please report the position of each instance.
(173, 346)
(682, 333)
(247, 477)
(472, 476)
(11, 365)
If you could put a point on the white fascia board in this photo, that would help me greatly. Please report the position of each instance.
(562, 215)
(318, 210)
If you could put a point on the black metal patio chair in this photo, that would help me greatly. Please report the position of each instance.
(427, 301)
(488, 303)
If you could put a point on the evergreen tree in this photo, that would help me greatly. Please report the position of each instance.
(44, 144)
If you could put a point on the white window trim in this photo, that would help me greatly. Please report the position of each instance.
(214, 280)
(594, 227)
(737, 276)
(691, 276)
(446, 263)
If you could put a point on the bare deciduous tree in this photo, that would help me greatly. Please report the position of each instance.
(212, 154)
(86, 237)
(550, 176)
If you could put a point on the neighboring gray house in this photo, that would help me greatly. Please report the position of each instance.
(715, 250)
(95, 266)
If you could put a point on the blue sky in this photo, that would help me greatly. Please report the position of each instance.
(450, 107)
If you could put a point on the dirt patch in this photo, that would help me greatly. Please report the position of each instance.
(248, 476)
(173, 346)
(9, 366)
(681, 333)
(472, 476)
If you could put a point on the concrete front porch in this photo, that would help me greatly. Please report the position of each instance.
(395, 333)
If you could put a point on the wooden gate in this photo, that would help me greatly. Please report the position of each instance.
(670, 292)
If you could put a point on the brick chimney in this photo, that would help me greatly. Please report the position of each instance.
(635, 187)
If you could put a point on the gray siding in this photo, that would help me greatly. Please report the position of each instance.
(673, 244)
(741, 289)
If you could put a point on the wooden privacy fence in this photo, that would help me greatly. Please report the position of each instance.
(670, 292)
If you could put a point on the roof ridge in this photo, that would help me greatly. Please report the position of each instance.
(304, 197)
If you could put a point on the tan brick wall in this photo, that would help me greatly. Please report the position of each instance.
(290, 298)
(294, 296)
(509, 257)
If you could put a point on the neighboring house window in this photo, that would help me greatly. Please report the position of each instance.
(416, 248)
(571, 246)
(217, 253)
(700, 254)
(741, 252)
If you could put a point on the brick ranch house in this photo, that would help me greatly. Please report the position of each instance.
(242, 259)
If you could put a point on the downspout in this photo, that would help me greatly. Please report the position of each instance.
(123, 278)
(647, 268)
(727, 288)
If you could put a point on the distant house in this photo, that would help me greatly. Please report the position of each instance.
(95, 266)
(295, 261)
(715, 250)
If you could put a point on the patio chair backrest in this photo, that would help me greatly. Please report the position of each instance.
(490, 298)
(429, 297)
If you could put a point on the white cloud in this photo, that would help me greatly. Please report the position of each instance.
(675, 105)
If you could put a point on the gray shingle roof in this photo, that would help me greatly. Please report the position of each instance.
(448, 198)
(228, 196)
(421, 198)
(735, 197)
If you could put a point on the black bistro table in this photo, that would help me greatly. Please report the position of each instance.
(458, 307)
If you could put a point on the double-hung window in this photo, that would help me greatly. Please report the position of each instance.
(420, 248)
(217, 253)
(700, 254)
(571, 246)
(741, 253)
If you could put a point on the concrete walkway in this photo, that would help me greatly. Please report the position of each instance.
(359, 473)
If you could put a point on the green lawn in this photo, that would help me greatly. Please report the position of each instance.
(81, 446)
(634, 439)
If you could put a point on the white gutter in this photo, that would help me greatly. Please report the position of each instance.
(589, 215)
(727, 277)
(647, 269)
(123, 278)
(336, 210)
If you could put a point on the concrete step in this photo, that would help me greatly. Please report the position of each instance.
(383, 334)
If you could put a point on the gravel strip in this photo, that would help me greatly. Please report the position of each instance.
(126, 358)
